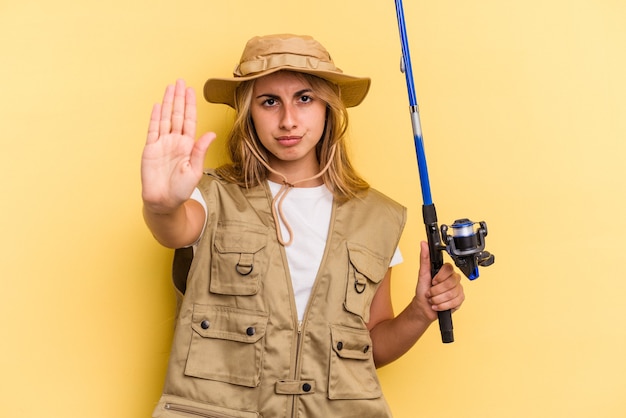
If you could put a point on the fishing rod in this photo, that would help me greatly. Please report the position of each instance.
(466, 242)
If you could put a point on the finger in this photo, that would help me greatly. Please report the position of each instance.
(165, 124)
(199, 150)
(441, 295)
(424, 270)
(452, 304)
(190, 122)
(424, 274)
(178, 107)
(153, 126)
(446, 291)
(445, 283)
(443, 274)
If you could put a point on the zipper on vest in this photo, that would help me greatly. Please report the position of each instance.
(195, 411)
(296, 372)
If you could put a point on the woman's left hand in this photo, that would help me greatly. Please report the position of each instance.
(444, 292)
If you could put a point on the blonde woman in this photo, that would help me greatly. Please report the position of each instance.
(287, 307)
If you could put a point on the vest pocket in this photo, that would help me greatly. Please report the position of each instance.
(227, 345)
(365, 271)
(352, 371)
(239, 259)
(173, 407)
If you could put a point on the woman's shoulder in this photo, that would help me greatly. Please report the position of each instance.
(213, 176)
(374, 197)
(214, 184)
(377, 206)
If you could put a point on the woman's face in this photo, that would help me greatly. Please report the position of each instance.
(289, 119)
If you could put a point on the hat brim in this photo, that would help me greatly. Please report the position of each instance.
(353, 89)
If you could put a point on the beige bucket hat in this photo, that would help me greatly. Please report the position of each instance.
(264, 55)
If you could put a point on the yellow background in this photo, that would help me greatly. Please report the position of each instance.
(522, 105)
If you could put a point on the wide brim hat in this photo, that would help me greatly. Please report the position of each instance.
(265, 55)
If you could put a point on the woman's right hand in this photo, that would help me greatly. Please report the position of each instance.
(173, 161)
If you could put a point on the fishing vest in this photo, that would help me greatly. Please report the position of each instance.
(239, 349)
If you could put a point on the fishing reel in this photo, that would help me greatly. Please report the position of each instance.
(466, 246)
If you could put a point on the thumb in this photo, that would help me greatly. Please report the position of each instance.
(424, 279)
(199, 150)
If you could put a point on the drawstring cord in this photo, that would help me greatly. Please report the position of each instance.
(277, 201)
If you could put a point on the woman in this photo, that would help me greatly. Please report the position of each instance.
(287, 308)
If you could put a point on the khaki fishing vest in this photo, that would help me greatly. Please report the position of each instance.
(239, 349)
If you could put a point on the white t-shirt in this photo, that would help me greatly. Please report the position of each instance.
(308, 211)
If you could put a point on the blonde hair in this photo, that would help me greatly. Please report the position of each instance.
(245, 168)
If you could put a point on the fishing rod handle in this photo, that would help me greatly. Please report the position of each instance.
(445, 326)
(435, 249)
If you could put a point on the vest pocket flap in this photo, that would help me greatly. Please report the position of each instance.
(226, 323)
(240, 239)
(369, 264)
(350, 343)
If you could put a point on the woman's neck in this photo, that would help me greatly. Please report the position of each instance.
(299, 175)
(296, 179)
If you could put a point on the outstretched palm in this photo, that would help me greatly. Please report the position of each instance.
(172, 160)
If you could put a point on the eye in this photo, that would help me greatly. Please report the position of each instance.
(269, 102)
(306, 99)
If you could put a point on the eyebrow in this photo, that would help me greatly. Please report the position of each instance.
(296, 94)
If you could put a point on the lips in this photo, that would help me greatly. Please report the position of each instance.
(289, 140)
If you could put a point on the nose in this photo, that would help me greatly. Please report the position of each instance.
(288, 120)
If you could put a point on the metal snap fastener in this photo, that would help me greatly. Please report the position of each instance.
(250, 331)
(205, 324)
(339, 346)
(366, 348)
(306, 387)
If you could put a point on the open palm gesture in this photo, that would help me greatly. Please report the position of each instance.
(172, 160)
